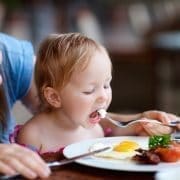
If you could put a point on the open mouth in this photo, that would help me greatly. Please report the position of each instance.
(101, 113)
(94, 114)
(94, 117)
(97, 115)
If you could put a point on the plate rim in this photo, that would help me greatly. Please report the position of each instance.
(93, 162)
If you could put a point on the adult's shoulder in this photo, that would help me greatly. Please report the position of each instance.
(18, 65)
(15, 45)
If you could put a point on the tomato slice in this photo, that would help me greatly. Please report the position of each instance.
(169, 154)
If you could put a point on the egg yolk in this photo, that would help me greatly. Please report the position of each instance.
(126, 146)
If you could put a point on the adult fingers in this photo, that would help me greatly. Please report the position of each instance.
(158, 115)
(156, 129)
(139, 129)
(23, 161)
(6, 169)
(32, 163)
(19, 167)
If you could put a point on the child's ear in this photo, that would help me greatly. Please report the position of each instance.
(52, 97)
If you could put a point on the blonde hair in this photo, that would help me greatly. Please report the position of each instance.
(59, 56)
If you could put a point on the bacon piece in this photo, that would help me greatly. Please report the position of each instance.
(146, 157)
(154, 156)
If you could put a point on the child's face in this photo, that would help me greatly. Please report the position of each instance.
(88, 91)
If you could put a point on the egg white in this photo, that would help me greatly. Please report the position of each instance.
(110, 153)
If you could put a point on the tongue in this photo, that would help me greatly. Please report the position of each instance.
(94, 118)
(94, 114)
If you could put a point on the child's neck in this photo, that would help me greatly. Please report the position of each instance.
(60, 121)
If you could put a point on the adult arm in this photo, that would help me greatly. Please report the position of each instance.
(140, 128)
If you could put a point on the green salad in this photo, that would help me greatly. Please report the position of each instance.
(159, 141)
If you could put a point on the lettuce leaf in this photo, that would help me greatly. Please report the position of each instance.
(159, 141)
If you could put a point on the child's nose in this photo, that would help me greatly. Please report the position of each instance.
(103, 96)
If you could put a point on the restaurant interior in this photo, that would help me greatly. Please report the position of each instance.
(141, 36)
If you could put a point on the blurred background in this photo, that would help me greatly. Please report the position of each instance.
(141, 36)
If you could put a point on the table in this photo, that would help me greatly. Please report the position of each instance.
(75, 171)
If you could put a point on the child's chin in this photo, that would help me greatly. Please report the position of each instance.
(89, 125)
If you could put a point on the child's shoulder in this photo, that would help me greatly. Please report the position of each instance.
(31, 125)
(35, 123)
(29, 133)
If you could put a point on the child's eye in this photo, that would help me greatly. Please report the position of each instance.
(106, 86)
(89, 92)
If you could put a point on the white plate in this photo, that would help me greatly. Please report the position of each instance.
(119, 165)
(170, 174)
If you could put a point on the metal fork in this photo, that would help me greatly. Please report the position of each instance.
(127, 123)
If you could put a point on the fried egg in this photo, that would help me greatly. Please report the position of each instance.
(120, 151)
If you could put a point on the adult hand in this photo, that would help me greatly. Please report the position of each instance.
(154, 128)
(17, 159)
